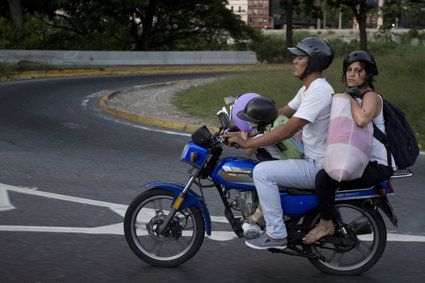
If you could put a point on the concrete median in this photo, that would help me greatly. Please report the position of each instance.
(128, 58)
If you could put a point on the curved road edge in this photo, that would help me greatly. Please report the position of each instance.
(169, 124)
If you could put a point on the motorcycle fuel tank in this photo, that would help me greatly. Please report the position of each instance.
(235, 172)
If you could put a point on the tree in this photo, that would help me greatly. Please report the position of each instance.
(390, 12)
(287, 5)
(16, 9)
(133, 24)
(152, 24)
(168, 21)
(394, 11)
(305, 8)
(360, 9)
(17, 16)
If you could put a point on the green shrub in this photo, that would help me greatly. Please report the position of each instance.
(299, 35)
(269, 49)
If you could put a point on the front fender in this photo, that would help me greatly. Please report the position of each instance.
(191, 198)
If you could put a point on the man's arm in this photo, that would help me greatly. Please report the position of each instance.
(273, 137)
(286, 111)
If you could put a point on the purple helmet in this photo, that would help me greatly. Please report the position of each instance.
(238, 106)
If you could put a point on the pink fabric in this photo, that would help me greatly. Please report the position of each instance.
(348, 146)
(342, 127)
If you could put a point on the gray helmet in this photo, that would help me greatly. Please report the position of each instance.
(261, 110)
(320, 54)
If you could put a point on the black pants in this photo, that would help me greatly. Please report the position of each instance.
(326, 186)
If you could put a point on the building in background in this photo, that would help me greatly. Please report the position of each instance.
(268, 14)
(240, 8)
(256, 13)
(259, 14)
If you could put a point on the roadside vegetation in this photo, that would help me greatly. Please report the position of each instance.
(400, 80)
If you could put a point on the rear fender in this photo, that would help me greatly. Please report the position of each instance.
(191, 198)
(385, 206)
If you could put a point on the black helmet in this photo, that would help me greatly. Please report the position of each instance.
(361, 56)
(260, 110)
(320, 54)
(369, 66)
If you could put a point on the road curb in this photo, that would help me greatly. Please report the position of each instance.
(169, 124)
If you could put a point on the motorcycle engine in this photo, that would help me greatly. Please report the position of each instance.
(247, 202)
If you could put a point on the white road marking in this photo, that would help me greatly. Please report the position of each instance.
(35, 192)
(117, 228)
(143, 127)
(4, 200)
(85, 102)
(393, 237)
(114, 229)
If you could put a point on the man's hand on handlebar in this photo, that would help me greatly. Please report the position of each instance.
(235, 139)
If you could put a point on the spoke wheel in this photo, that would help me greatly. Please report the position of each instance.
(355, 252)
(179, 242)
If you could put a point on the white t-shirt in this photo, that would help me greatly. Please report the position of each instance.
(314, 105)
(379, 152)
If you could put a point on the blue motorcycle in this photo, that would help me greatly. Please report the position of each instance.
(165, 225)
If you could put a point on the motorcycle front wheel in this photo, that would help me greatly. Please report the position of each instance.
(354, 252)
(178, 243)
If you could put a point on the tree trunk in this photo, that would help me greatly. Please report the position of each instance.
(142, 44)
(17, 16)
(361, 18)
(359, 9)
(289, 42)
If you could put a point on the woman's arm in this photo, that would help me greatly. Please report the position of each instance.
(368, 109)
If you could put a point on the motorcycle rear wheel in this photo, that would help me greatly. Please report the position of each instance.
(179, 242)
(366, 241)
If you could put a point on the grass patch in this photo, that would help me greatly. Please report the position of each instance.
(9, 69)
(401, 81)
(205, 101)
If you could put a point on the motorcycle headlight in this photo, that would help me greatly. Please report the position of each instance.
(194, 154)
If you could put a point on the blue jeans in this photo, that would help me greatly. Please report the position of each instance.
(294, 173)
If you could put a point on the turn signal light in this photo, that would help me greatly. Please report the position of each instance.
(193, 156)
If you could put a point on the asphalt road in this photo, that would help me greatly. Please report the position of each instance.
(68, 171)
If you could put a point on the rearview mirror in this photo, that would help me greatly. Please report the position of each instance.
(223, 116)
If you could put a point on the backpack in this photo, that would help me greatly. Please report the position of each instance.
(399, 139)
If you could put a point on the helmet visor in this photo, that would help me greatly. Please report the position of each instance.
(297, 52)
(243, 116)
